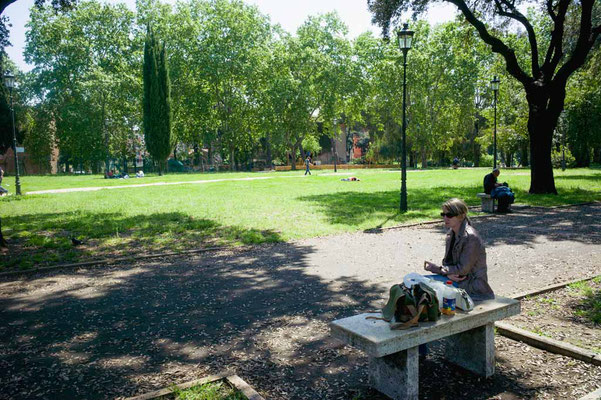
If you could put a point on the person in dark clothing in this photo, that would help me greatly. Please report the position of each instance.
(3, 191)
(307, 163)
(499, 191)
(490, 181)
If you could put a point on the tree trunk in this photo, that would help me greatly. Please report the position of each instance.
(196, 161)
(3, 243)
(293, 158)
(232, 160)
(105, 135)
(597, 155)
(424, 159)
(545, 105)
(524, 160)
(268, 148)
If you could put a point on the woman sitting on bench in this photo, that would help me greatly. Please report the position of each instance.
(465, 257)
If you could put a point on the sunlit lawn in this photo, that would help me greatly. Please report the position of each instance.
(280, 206)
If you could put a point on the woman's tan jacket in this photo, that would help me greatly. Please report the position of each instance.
(468, 258)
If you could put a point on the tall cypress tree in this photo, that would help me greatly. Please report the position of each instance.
(157, 101)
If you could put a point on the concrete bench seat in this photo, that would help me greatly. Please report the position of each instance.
(488, 203)
(467, 340)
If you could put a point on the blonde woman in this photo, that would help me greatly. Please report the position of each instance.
(464, 262)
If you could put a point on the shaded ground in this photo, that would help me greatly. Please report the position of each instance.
(263, 313)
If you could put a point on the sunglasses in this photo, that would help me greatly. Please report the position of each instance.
(448, 215)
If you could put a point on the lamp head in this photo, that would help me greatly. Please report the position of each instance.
(405, 37)
(494, 84)
(9, 80)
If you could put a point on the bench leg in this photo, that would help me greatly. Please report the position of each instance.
(396, 375)
(473, 350)
(488, 205)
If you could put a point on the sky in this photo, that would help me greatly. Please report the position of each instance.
(290, 14)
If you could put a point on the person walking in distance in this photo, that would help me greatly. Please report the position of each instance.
(307, 164)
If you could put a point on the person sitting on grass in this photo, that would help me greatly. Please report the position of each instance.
(464, 262)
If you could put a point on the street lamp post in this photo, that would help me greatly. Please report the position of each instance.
(9, 81)
(334, 151)
(494, 84)
(477, 101)
(405, 37)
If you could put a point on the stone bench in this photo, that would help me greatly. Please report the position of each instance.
(467, 339)
(488, 203)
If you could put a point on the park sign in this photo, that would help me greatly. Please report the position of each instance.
(20, 149)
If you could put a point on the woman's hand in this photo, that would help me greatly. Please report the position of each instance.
(430, 266)
(456, 278)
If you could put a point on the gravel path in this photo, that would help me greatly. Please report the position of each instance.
(121, 330)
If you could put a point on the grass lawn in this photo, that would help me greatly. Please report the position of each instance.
(231, 211)
(208, 391)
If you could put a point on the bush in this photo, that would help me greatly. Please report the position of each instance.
(557, 156)
(486, 160)
(360, 160)
(311, 144)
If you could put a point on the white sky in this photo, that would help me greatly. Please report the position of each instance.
(288, 13)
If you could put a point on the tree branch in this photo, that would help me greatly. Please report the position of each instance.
(496, 44)
(583, 45)
(518, 16)
(4, 4)
(550, 10)
(555, 50)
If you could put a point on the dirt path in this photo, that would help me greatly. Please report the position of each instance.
(202, 181)
(96, 188)
(263, 313)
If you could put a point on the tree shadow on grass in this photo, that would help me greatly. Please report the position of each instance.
(45, 239)
(519, 228)
(595, 177)
(355, 208)
(121, 331)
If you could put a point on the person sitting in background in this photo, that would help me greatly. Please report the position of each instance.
(140, 174)
(3, 191)
(465, 257)
(490, 181)
(499, 191)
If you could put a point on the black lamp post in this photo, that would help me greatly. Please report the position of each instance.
(334, 144)
(405, 38)
(494, 84)
(9, 81)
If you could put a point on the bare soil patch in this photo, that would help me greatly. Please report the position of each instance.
(565, 314)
